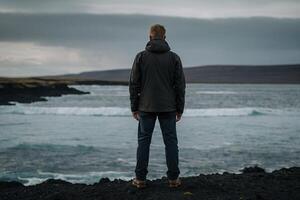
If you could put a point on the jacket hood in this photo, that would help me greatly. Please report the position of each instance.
(157, 45)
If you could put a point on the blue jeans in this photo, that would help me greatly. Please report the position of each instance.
(167, 121)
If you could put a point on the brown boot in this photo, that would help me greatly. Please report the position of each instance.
(174, 183)
(138, 183)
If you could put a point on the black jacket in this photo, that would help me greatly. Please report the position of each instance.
(157, 82)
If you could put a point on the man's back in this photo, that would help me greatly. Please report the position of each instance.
(157, 82)
(157, 89)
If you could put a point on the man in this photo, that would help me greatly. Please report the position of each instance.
(157, 89)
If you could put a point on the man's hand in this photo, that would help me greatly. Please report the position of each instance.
(136, 115)
(178, 116)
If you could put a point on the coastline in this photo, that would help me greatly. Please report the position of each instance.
(33, 89)
(29, 90)
(252, 183)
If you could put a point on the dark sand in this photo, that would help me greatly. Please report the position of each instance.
(253, 183)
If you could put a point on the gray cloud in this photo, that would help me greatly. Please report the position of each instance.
(187, 8)
(58, 43)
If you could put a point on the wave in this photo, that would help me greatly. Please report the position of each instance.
(121, 111)
(216, 92)
(88, 177)
(88, 111)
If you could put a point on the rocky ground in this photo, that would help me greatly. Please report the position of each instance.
(252, 183)
(28, 90)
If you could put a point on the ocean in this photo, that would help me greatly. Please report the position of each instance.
(82, 138)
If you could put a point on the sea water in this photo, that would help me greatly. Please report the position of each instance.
(82, 138)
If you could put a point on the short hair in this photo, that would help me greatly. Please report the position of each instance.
(157, 30)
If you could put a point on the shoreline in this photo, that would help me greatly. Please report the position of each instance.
(29, 90)
(252, 183)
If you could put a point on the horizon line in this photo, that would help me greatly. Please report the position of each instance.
(146, 15)
(194, 66)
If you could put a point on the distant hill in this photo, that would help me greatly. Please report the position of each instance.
(31, 89)
(211, 74)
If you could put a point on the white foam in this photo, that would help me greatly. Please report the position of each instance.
(32, 180)
(63, 176)
(213, 112)
(121, 111)
(216, 92)
(38, 110)
(76, 178)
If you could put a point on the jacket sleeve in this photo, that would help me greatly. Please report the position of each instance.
(135, 83)
(179, 85)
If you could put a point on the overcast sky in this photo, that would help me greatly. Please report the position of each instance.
(40, 37)
(184, 8)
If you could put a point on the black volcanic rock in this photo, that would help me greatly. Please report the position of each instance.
(31, 90)
(10, 184)
(283, 184)
(104, 180)
(254, 169)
